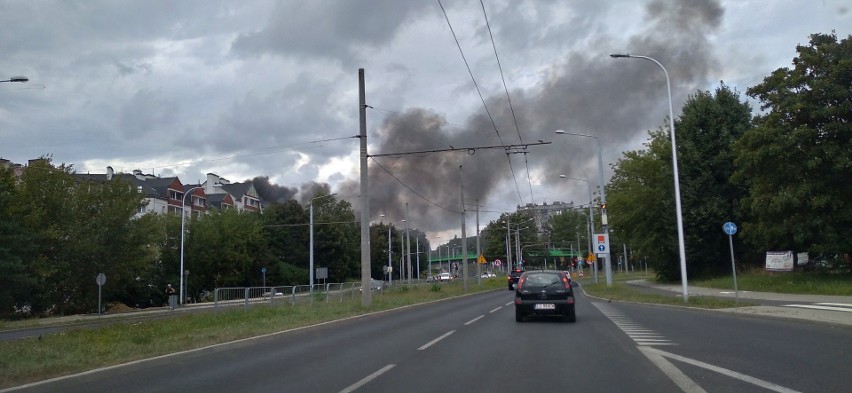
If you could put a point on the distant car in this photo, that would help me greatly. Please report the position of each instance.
(445, 277)
(545, 293)
(487, 275)
(512, 278)
(376, 285)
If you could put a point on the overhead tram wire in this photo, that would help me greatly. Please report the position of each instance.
(481, 98)
(508, 148)
(508, 97)
(411, 189)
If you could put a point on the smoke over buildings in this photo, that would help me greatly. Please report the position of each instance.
(587, 92)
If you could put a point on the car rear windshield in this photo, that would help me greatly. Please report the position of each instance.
(542, 279)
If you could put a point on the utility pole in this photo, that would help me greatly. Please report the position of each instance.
(407, 244)
(366, 299)
(478, 250)
(463, 234)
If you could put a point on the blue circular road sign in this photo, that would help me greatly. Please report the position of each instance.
(729, 228)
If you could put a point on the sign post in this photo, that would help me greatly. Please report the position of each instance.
(731, 228)
(101, 280)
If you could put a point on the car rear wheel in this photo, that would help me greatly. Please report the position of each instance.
(571, 316)
(519, 316)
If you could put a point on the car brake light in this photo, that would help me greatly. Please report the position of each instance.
(566, 282)
(521, 282)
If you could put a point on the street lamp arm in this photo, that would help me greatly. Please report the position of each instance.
(18, 79)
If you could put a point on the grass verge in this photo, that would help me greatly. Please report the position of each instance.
(74, 351)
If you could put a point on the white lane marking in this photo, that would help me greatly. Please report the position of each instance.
(509, 304)
(847, 305)
(730, 373)
(474, 320)
(430, 343)
(638, 333)
(817, 307)
(495, 310)
(678, 377)
(367, 379)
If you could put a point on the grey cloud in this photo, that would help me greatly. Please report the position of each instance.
(334, 30)
(147, 112)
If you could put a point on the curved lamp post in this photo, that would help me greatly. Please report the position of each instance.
(604, 226)
(681, 246)
(182, 231)
(312, 238)
(19, 79)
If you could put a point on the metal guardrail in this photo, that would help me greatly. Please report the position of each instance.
(300, 294)
(297, 294)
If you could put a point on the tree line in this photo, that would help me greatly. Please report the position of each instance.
(57, 232)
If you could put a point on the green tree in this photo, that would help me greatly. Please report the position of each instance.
(570, 229)
(225, 248)
(286, 229)
(16, 283)
(709, 125)
(797, 161)
(337, 239)
(640, 203)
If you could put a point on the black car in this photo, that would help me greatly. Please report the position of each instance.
(544, 292)
(512, 278)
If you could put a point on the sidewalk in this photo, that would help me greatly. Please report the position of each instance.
(818, 308)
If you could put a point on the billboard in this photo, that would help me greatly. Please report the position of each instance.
(779, 261)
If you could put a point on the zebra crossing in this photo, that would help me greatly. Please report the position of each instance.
(638, 333)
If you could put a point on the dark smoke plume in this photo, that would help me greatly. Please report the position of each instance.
(617, 100)
(269, 192)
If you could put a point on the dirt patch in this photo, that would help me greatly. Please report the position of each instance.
(118, 308)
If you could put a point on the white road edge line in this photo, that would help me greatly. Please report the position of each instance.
(474, 320)
(430, 343)
(720, 370)
(356, 385)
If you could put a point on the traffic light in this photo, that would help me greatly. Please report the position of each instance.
(603, 206)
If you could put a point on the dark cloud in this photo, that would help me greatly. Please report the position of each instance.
(587, 93)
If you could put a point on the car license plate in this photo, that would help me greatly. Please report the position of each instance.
(545, 306)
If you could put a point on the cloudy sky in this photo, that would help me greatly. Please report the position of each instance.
(268, 90)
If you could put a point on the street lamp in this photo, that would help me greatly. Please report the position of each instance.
(591, 218)
(604, 226)
(678, 207)
(18, 79)
(182, 230)
(312, 238)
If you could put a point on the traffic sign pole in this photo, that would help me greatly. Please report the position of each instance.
(730, 229)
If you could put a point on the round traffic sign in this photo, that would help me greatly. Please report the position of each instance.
(101, 279)
(729, 228)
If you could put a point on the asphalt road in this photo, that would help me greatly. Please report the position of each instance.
(473, 344)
